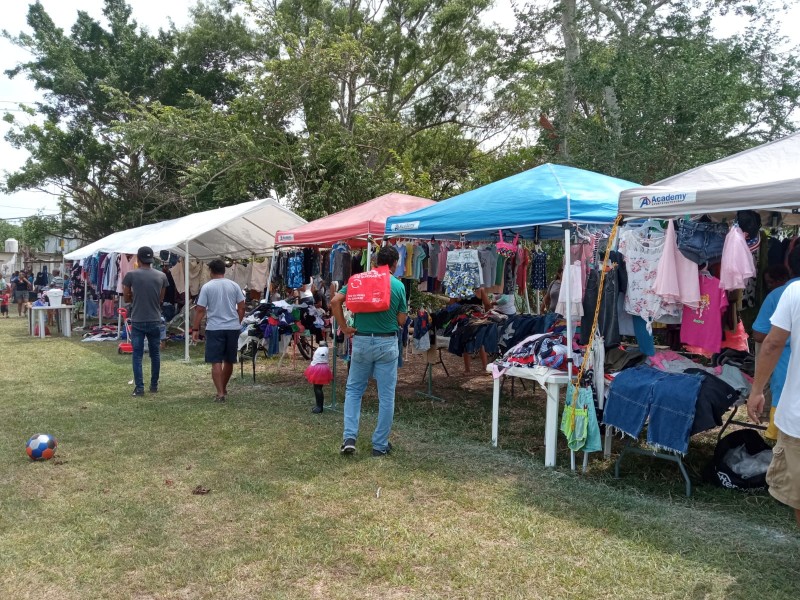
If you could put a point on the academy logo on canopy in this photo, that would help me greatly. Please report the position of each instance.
(666, 199)
(407, 226)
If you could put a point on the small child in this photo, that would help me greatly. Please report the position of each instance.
(4, 298)
(318, 373)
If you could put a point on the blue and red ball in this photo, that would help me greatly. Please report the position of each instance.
(41, 446)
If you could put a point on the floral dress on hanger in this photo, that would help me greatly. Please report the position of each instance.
(642, 250)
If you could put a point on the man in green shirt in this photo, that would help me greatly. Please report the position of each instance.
(374, 353)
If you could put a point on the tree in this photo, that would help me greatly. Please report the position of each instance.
(107, 184)
(9, 231)
(358, 99)
(656, 91)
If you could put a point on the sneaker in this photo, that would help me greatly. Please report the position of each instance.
(316, 410)
(153, 389)
(376, 452)
(220, 398)
(138, 392)
(348, 446)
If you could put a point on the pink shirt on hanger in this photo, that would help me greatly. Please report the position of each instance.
(737, 261)
(442, 261)
(677, 277)
(703, 326)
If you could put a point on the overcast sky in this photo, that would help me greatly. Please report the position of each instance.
(152, 14)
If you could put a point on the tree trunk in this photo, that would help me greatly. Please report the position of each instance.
(571, 53)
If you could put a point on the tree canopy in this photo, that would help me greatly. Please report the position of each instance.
(328, 103)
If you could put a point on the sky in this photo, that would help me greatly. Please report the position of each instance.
(152, 14)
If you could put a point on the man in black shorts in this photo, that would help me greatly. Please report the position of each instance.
(223, 301)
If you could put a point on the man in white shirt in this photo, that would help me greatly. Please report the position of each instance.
(783, 475)
(223, 300)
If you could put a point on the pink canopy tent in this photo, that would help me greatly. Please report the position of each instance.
(354, 224)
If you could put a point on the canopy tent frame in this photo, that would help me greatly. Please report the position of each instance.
(235, 225)
(763, 179)
(363, 222)
(552, 200)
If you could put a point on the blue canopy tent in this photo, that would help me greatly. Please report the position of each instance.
(545, 197)
(543, 202)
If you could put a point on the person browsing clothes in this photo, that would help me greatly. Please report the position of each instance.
(783, 475)
(374, 353)
(762, 326)
(223, 301)
(144, 289)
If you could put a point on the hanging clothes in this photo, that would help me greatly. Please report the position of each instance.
(127, 262)
(677, 277)
(579, 421)
(737, 261)
(702, 327)
(462, 273)
(295, 277)
(572, 271)
(258, 274)
(488, 260)
(523, 264)
(608, 319)
(642, 250)
(539, 270)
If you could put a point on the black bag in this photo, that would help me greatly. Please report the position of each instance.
(720, 474)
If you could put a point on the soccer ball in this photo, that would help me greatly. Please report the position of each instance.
(41, 446)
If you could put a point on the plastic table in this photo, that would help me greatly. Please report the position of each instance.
(38, 314)
(551, 381)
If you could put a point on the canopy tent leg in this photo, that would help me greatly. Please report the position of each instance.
(85, 302)
(566, 279)
(332, 406)
(119, 318)
(369, 252)
(527, 301)
(268, 293)
(187, 324)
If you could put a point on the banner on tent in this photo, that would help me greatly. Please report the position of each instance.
(657, 200)
(286, 237)
(406, 226)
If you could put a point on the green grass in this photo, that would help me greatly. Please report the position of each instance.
(113, 515)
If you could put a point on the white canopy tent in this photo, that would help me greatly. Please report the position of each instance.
(240, 231)
(765, 178)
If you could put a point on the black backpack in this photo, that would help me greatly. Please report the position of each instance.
(720, 474)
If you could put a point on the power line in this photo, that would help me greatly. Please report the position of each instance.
(16, 206)
(19, 218)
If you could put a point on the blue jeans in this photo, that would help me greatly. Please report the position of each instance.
(670, 400)
(701, 242)
(152, 331)
(371, 357)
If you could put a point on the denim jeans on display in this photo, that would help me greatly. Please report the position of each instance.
(152, 331)
(371, 357)
(669, 399)
(701, 242)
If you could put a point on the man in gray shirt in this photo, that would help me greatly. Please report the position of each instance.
(223, 301)
(144, 288)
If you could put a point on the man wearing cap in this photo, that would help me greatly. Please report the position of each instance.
(144, 288)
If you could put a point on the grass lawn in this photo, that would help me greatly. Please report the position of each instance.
(446, 516)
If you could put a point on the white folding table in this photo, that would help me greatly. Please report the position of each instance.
(38, 315)
(551, 381)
